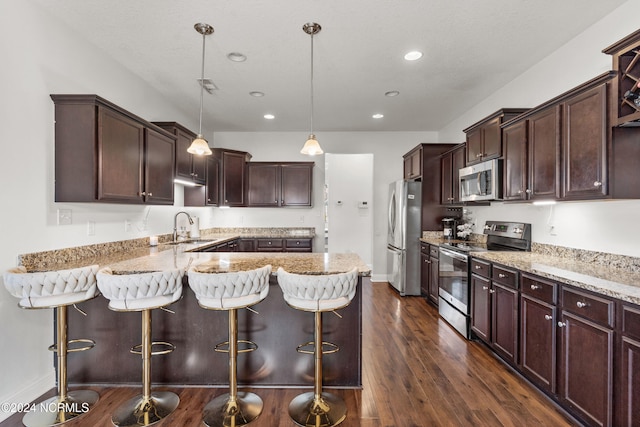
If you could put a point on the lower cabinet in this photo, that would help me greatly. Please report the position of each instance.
(264, 244)
(429, 271)
(435, 274)
(629, 396)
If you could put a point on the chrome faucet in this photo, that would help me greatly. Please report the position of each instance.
(175, 224)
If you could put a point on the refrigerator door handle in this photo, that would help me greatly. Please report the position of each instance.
(392, 214)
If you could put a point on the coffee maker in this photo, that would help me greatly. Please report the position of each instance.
(449, 228)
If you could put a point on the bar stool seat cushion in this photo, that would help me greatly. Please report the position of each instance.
(51, 288)
(140, 291)
(224, 291)
(318, 292)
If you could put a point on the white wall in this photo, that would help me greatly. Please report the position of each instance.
(601, 226)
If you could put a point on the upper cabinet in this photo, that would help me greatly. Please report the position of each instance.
(484, 138)
(626, 64)
(189, 167)
(450, 164)
(413, 164)
(104, 153)
(284, 184)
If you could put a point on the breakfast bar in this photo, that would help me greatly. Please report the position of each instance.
(275, 327)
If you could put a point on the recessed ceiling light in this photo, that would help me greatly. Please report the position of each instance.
(269, 116)
(392, 93)
(236, 57)
(413, 55)
(378, 116)
(256, 93)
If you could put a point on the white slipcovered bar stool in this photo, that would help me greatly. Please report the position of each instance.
(143, 292)
(317, 294)
(57, 289)
(231, 291)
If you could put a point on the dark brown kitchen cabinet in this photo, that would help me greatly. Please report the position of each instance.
(413, 164)
(626, 64)
(585, 135)
(532, 160)
(268, 244)
(189, 167)
(104, 153)
(494, 308)
(435, 275)
(450, 164)
(279, 184)
(484, 138)
(429, 274)
(538, 358)
(232, 176)
(246, 245)
(629, 399)
(209, 193)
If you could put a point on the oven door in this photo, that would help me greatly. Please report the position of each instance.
(454, 279)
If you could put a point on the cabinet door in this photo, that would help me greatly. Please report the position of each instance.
(474, 146)
(263, 184)
(515, 161)
(630, 400)
(199, 168)
(425, 273)
(159, 168)
(457, 163)
(446, 179)
(233, 168)
(585, 136)
(504, 324)
(433, 282)
(246, 245)
(481, 307)
(183, 158)
(212, 187)
(296, 184)
(491, 139)
(538, 342)
(120, 158)
(586, 369)
(407, 168)
(544, 154)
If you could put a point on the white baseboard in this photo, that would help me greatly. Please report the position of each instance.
(27, 394)
(379, 278)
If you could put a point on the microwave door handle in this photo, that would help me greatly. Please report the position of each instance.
(479, 185)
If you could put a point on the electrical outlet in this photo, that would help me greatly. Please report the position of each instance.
(64, 216)
(91, 228)
(127, 226)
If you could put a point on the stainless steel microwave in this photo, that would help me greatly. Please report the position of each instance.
(482, 181)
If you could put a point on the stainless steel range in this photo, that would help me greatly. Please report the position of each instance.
(454, 291)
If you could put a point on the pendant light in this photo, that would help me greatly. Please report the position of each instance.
(200, 145)
(311, 147)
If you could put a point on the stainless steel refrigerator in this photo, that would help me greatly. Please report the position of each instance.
(403, 236)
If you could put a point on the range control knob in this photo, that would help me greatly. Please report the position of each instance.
(518, 230)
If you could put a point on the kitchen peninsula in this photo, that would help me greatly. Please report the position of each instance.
(276, 328)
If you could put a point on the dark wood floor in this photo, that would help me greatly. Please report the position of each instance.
(416, 372)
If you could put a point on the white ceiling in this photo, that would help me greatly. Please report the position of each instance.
(471, 48)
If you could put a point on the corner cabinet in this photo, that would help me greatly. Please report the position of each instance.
(287, 184)
(104, 153)
(189, 167)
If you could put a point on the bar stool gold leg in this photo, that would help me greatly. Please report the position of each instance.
(233, 408)
(66, 405)
(317, 409)
(148, 408)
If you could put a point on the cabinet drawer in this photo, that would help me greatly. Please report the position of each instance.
(631, 322)
(481, 268)
(269, 244)
(298, 243)
(594, 308)
(424, 248)
(505, 276)
(433, 251)
(540, 289)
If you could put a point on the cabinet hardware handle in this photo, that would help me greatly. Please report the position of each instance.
(561, 324)
(520, 191)
(528, 191)
(484, 288)
(597, 184)
(144, 193)
(535, 287)
(150, 194)
(502, 276)
(548, 317)
(478, 155)
(478, 267)
(581, 304)
(492, 291)
(208, 200)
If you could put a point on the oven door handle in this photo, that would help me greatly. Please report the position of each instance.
(453, 254)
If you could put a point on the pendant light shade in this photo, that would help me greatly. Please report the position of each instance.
(199, 145)
(312, 146)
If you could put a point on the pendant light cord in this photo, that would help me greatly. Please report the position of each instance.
(312, 83)
(204, 37)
